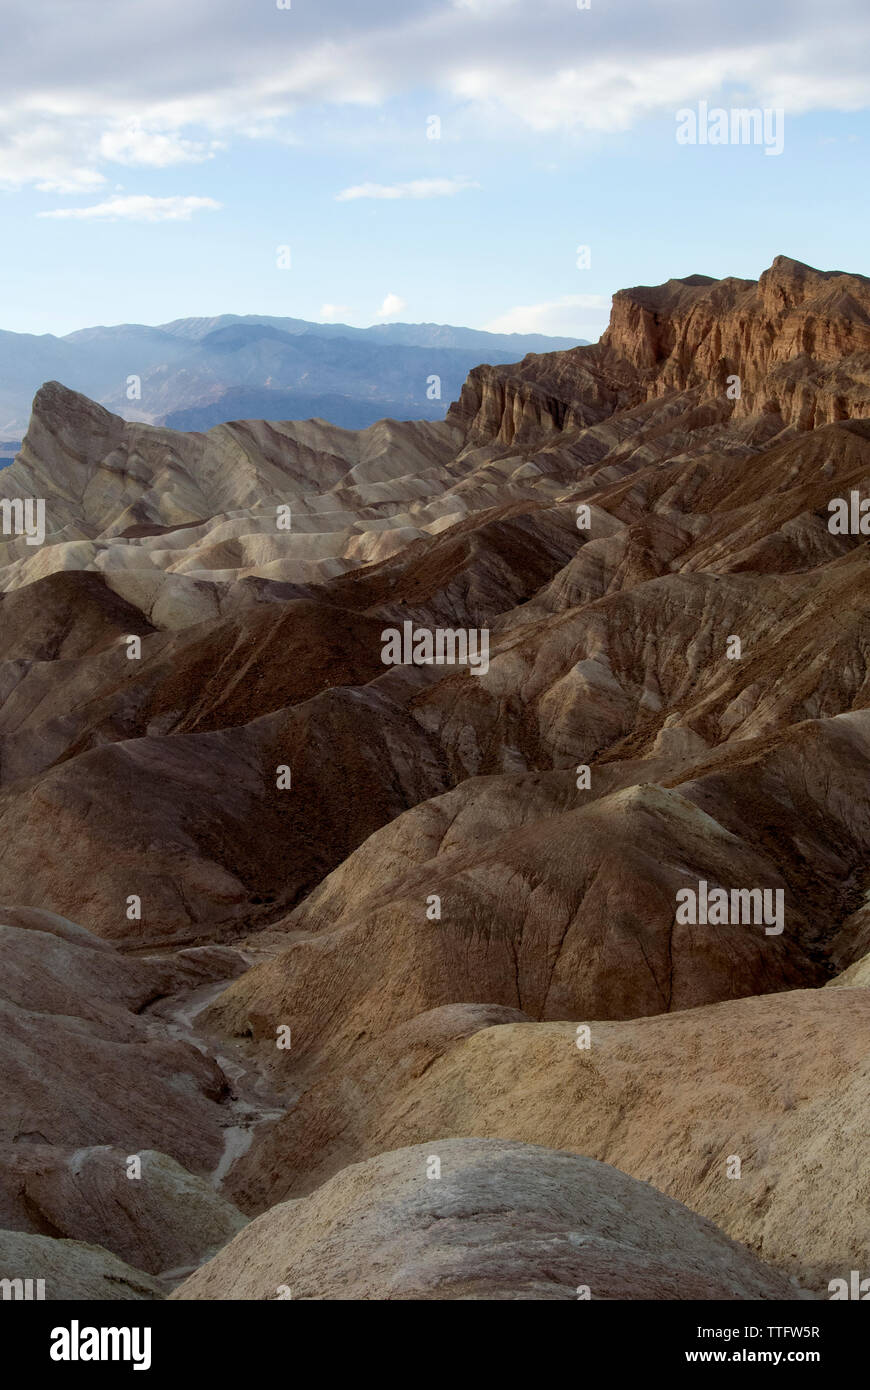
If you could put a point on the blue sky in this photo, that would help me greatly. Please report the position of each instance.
(154, 157)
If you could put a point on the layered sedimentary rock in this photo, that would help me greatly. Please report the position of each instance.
(330, 906)
(796, 344)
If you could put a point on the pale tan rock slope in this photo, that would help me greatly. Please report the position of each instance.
(501, 1221)
(463, 867)
(782, 1082)
(72, 1271)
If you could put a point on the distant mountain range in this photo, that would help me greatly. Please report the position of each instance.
(194, 373)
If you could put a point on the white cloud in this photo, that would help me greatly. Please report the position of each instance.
(161, 82)
(572, 316)
(391, 306)
(330, 312)
(133, 144)
(50, 157)
(71, 180)
(139, 208)
(417, 188)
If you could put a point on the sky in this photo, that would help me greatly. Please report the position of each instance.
(440, 161)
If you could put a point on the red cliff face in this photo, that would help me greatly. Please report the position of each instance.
(798, 339)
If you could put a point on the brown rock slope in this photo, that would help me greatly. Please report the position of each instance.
(72, 1010)
(166, 1220)
(93, 1082)
(563, 903)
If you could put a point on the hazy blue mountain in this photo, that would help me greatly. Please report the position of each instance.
(406, 334)
(219, 368)
(253, 403)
